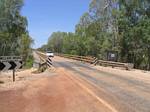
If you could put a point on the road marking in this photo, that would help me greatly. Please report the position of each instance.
(91, 93)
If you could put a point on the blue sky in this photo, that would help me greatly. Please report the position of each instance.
(47, 16)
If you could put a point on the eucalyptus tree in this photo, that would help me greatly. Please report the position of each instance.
(122, 25)
(13, 27)
(55, 42)
(134, 32)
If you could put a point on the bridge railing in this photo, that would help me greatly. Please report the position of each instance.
(45, 63)
(91, 60)
(95, 61)
(87, 59)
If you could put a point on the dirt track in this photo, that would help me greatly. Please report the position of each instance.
(54, 93)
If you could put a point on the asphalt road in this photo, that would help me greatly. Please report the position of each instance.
(124, 91)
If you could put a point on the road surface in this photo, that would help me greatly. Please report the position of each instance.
(126, 91)
(73, 86)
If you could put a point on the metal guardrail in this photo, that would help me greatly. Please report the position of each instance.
(95, 61)
(87, 59)
(42, 56)
(127, 66)
(91, 60)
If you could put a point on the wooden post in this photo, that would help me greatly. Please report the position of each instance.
(13, 75)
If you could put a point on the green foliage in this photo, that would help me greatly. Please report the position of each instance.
(43, 48)
(14, 37)
(124, 28)
(134, 33)
(29, 62)
(55, 42)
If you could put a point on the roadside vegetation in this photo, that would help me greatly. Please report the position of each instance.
(118, 26)
(14, 37)
(29, 62)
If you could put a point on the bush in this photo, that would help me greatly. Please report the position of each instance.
(29, 62)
